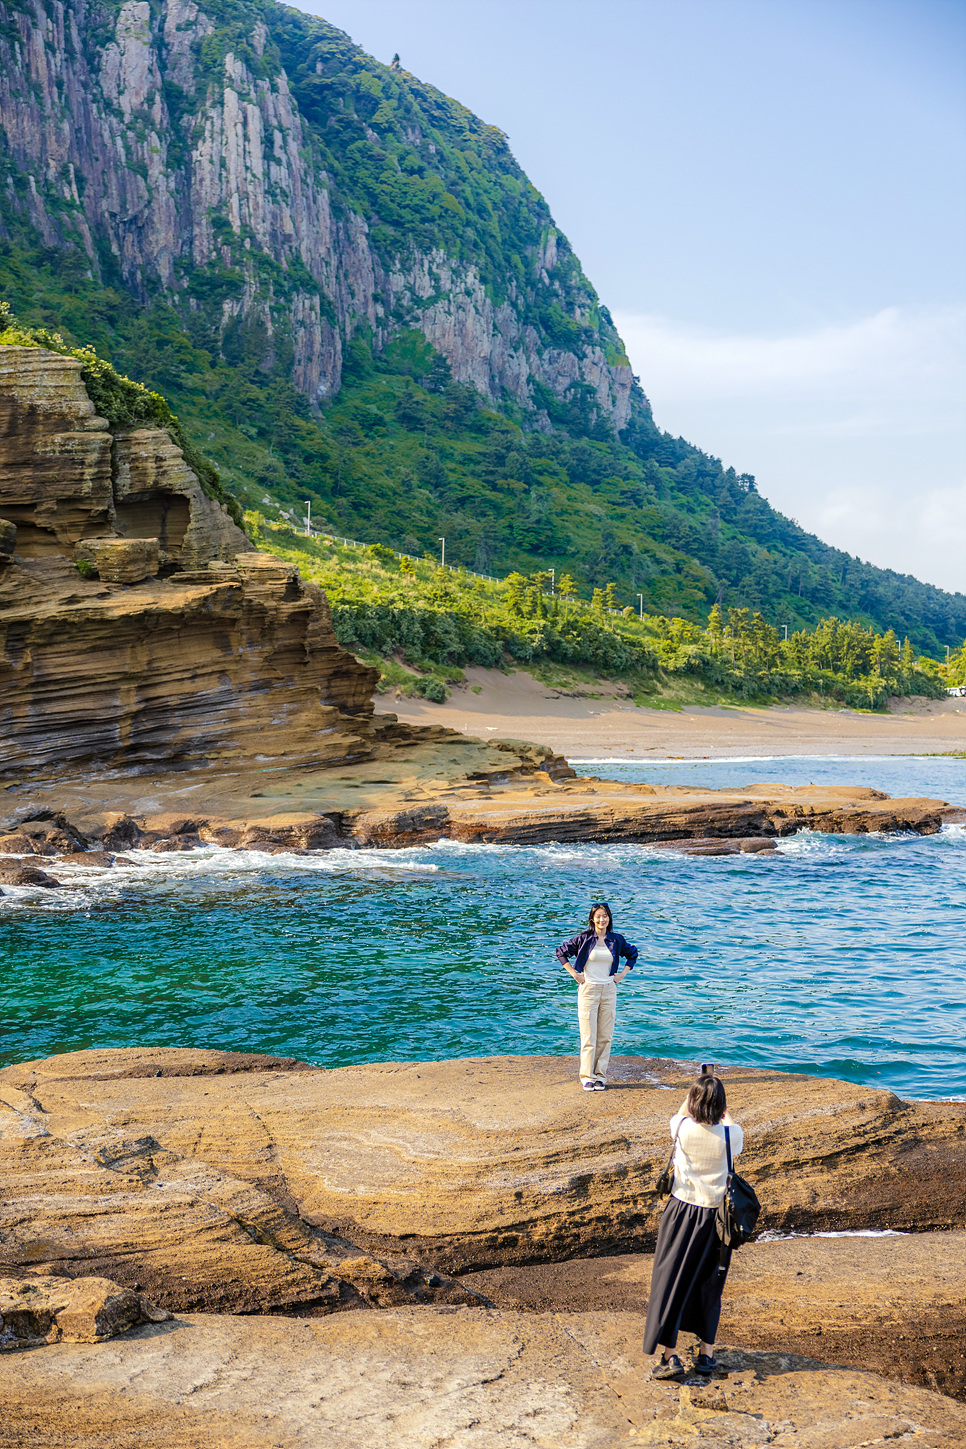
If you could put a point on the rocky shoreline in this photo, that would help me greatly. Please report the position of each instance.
(211, 1247)
(417, 792)
(222, 1183)
(206, 1247)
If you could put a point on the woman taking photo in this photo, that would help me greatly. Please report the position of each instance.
(689, 1266)
(596, 969)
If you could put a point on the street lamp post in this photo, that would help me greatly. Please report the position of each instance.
(442, 557)
(785, 627)
(641, 598)
(553, 590)
(308, 516)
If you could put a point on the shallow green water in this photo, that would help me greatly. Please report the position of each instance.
(836, 955)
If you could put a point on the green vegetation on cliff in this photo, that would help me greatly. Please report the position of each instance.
(403, 454)
(400, 611)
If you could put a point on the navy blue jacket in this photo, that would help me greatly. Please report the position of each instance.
(582, 945)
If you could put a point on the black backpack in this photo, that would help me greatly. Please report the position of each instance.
(737, 1217)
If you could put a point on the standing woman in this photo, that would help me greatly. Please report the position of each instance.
(689, 1267)
(596, 969)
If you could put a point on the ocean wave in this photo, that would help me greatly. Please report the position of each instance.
(220, 864)
(775, 1237)
(618, 853)
(646, 761)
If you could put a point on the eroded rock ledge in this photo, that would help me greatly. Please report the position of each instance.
(237, 1184)
(415, 788)
(235, 1189)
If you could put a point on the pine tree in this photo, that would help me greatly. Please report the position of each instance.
(716, 629)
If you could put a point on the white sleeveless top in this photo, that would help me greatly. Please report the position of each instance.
(598, 963)
(700, 1158)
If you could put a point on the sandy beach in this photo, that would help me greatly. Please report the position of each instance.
(516, 706)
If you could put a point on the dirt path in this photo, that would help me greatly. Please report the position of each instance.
(516, 706)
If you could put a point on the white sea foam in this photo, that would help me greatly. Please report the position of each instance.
(617, 853)
(710, 760)
(149, 867)
(841, 1233)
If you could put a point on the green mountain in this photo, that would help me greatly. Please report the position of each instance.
(352, 296)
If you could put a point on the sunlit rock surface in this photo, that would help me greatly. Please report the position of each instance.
(423, 1378)
(223, 1180)
(144, 141)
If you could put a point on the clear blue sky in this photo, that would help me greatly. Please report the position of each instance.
(770, 196)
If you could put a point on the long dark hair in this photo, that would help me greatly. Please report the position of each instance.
(706, 1100)
(599, 906)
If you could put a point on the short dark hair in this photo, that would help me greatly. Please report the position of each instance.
(600, 906)
(706, 1100)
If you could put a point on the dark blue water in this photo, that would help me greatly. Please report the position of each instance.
(837, 955)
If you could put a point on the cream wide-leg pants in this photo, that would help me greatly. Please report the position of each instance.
(596, 1012)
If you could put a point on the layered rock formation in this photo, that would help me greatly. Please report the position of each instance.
(231, 1188)
(214, 1180)
(162, 685)
(414, 788)
(185, 1231)
(420, 1379)
(136, 621)
(74, 488)
(170, 136)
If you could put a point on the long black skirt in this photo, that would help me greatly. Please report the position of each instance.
(687, 1281)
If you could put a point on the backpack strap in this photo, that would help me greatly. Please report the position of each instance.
(724, 1256)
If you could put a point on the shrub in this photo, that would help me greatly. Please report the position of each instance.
(124, 403)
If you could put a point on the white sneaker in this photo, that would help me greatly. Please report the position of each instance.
(600, 1086)
(589, 1086)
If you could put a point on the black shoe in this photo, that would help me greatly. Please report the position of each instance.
(705, 1367)
(671, 1368)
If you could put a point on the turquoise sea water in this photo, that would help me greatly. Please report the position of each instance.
(838, 955)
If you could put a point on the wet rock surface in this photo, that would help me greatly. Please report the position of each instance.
(417, 786)
(423, 1378)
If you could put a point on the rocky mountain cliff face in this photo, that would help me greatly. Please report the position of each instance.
(194, 149)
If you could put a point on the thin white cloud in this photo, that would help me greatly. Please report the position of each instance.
(872, 354)
(856, 429)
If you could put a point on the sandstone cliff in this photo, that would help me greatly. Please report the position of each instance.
(135, 621)
(169, 138)
(138, 630)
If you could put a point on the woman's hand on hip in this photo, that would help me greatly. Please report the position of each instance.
(621, 974)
